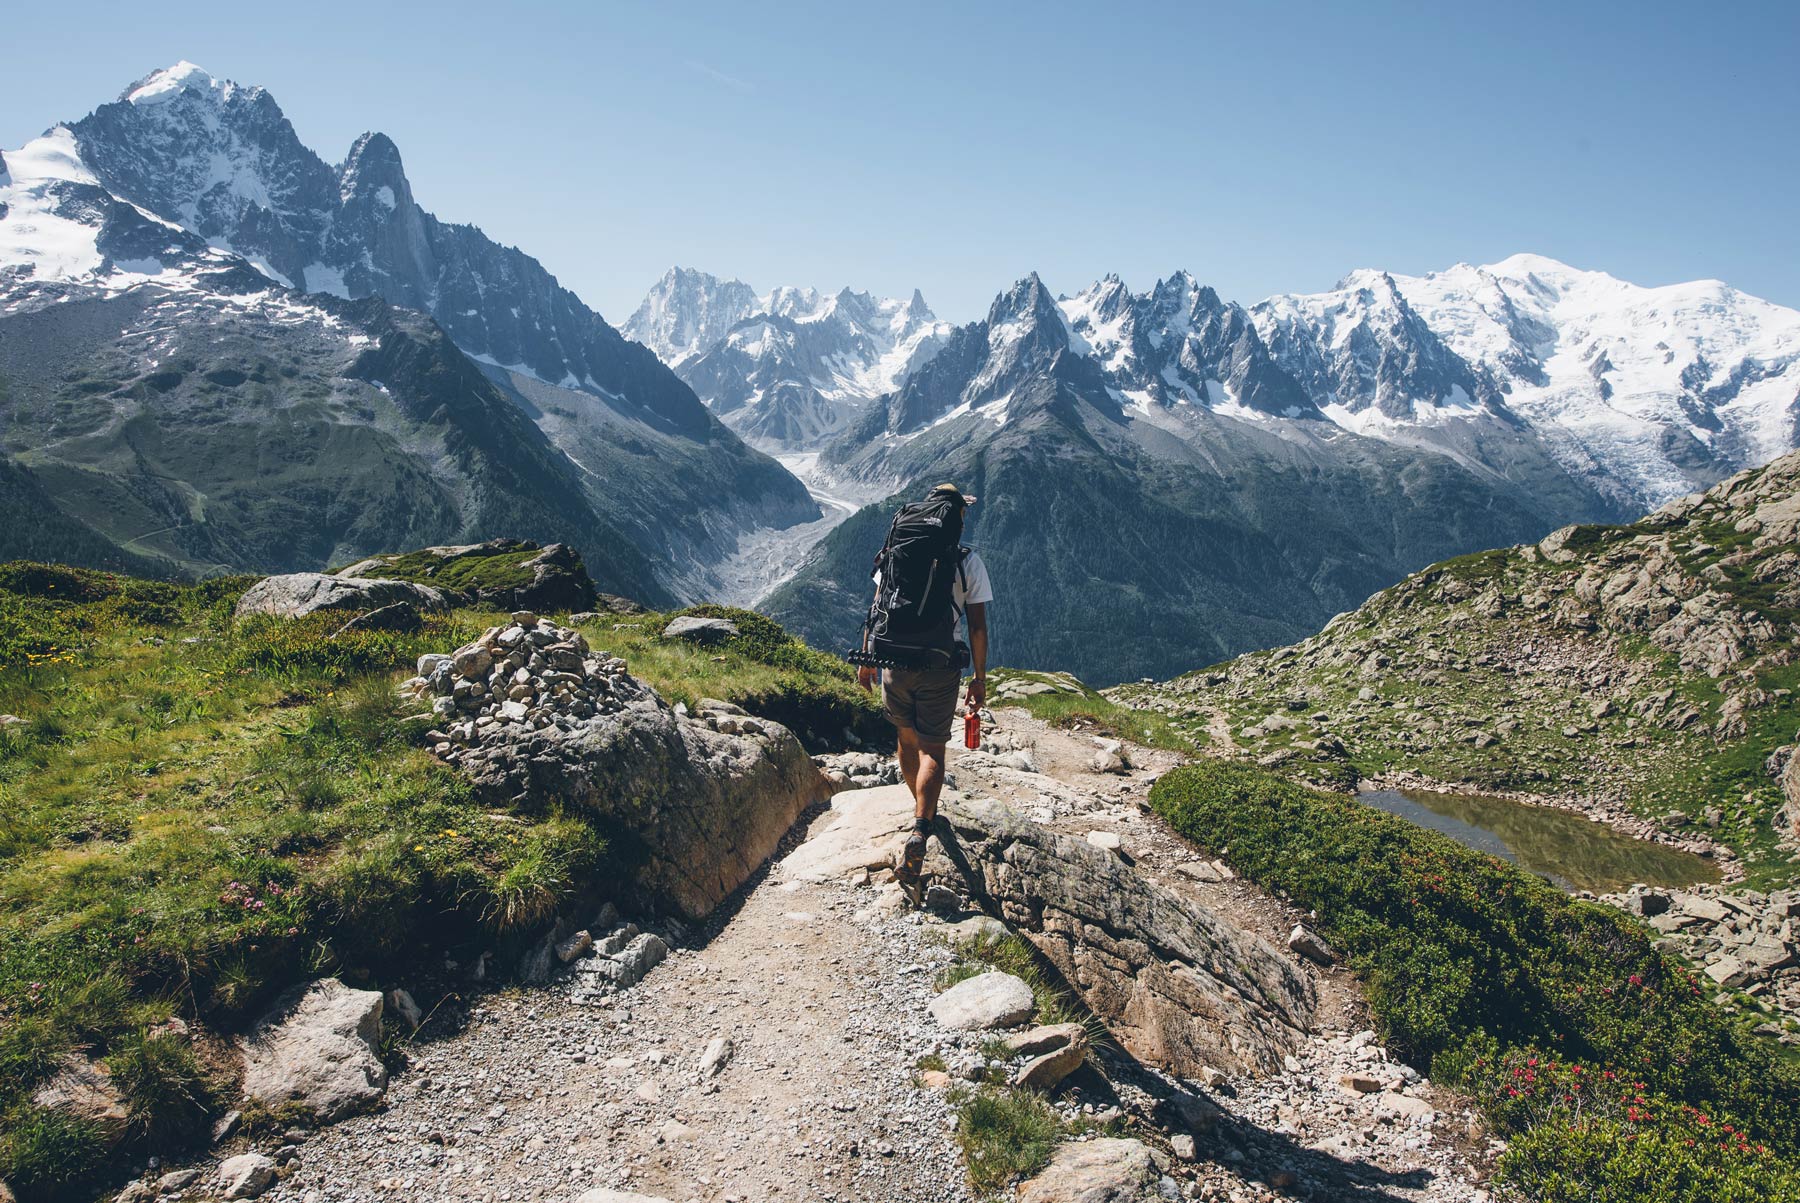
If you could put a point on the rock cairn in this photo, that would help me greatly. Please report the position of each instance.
(1742, 940)
(527, 675)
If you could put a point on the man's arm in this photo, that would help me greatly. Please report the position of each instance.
(978, 653)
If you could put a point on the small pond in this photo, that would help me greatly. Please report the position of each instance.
(1571, 850)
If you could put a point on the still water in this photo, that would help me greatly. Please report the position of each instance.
(1572, 851)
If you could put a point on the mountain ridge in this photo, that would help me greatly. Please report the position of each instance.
(195, 192)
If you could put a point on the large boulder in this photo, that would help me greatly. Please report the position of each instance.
(1095, 1171)
(295, 594)
(319, 1047)
(246, 1176)
(704, 799)
(506, 574)
(695, 629)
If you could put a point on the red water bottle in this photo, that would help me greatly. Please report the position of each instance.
(972, 728)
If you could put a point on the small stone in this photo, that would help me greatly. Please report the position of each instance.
(1109, 840)
(1043, 1039)
(1358, 1083)
(176, 1180)
(935, 1079)
(524, 618)
(246, 1176)
(575, 946)
(405, 1007)
(226, 1125)
(714, 1056)
(1046, 1072)
(1182, 1145)
(1309, 945)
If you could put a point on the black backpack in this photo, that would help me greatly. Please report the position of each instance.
(912, 622)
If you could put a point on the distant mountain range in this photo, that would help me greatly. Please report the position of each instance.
(1171, 478)
(219, 351)
(790, 368)
(189, 367)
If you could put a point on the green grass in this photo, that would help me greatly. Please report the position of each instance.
(1094, 713)
(499, 570)
(199, 811)
(1560, 1017)
(1004, 1135)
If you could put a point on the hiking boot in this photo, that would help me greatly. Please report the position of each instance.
(912, 863)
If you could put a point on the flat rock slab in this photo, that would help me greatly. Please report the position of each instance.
(700, 630)
(318, 1046)
(296, 594)
(1094, 1171)
(862, 830)
(988, 1000)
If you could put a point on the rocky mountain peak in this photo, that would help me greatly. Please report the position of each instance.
(373, 163)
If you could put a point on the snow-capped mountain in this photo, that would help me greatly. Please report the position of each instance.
(191, 198)
(790, 368)
(1648, 392)
(1156, 489)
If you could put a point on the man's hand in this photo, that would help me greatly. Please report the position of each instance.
(865, 676)
(977, 692)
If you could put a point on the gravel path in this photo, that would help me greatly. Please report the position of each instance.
(811, 1000)
(543, 1097)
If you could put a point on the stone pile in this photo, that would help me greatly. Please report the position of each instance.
(858, 770)
(529, 674)
(1742, 939)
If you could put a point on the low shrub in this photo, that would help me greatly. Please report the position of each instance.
(1490, 976)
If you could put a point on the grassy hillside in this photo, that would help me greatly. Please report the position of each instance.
(1652, 665)
(197, 811)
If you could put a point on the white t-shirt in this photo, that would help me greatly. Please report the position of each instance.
(971, 587)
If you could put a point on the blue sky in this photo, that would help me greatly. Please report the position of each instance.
(955, 147)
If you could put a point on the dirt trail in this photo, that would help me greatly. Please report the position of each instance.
(821, 990)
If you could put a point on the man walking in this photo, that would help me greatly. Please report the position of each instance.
(926, 584)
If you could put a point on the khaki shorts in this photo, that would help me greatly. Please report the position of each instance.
(922, 699)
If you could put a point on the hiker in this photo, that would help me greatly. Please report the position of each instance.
(926, 582)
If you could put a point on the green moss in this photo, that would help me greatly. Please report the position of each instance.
(499, 570)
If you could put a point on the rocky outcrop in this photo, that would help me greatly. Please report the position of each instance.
(319, 1046)
(296, 594)
(1095, 1171)
(505, 574)
(1625, 667)
(1741, 939)
(536, 720)
(1178, 986)
(83, 1091)
(695, 629)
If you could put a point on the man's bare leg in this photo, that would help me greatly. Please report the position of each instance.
(922, 767)
(909, 763)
